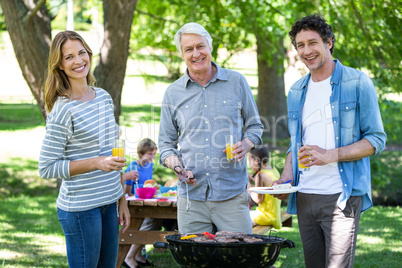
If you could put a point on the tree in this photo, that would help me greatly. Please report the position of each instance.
(28, 23)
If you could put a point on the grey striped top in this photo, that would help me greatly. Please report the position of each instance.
(78, 130)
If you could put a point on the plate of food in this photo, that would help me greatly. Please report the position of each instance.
(286, 188)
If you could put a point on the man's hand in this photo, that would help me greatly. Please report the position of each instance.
(186, 174)
(316, 156)
(280, 181)
(240, 149)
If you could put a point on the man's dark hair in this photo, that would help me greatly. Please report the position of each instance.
(314, 23)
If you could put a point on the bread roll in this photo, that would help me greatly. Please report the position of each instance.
(150, 183)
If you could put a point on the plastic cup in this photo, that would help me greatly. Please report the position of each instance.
(118, 148)
(302, 167)
(230, 141)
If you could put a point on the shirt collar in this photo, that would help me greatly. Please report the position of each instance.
(219, 75)
(336, 75)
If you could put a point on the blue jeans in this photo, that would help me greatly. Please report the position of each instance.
(92, 236)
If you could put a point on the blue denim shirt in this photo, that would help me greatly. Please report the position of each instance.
(193, 125)
(355, 115)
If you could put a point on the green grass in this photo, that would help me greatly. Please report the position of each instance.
(20, 116)
(30, 235)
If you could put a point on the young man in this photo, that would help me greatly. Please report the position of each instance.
(198, 110)
(334, 112)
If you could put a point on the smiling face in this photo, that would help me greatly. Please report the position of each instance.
(149, 156)
(196, 53)
(254, 162)
(313, 51)
(75, 60)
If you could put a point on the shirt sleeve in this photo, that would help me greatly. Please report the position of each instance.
(168, 131)
(371, 125)
(51, 160)
(253, 125)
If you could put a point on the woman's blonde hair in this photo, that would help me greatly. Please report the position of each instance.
(57, 83)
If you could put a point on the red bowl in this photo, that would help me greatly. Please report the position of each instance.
(147, 192)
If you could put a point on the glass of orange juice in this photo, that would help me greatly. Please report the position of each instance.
(118, 148)
(302, 167)
(230, 141)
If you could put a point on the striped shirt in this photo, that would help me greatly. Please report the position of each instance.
(77, 130)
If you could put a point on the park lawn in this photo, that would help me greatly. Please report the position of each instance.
(31, 236)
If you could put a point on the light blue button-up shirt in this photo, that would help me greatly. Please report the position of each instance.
(356, 116)
(196, 119)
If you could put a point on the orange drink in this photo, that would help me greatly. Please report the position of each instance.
(302, 167)
(118, 152)
(118, 148)
(229, 149)
(230, 141)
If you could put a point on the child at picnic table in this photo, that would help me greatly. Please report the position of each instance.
(268, 210)
(141, 170)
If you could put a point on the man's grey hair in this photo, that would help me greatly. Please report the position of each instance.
(191, 28)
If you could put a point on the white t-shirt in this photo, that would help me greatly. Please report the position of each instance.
(318, 129)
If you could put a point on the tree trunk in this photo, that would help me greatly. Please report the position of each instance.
(30, 34)
(111, 69)
(271, 92)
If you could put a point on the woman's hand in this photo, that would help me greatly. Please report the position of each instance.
(110, 163)
(124, 214)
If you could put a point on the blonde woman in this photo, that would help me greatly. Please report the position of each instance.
(77, 148)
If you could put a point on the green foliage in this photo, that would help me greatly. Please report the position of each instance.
(2, 21)
(391, 114)
(368, 36)
(82, 14)
(386, 170)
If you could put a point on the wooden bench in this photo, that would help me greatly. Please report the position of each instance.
(286, 220)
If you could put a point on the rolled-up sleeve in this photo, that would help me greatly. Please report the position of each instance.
(371, 124)
(253, 125)
(168, 131)
(51, 161)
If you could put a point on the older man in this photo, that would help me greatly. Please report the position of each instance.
(198, 110)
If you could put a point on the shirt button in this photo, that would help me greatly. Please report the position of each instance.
(206, 139)
(224, 101)
(333, 107)
(337, 138)
(206, 122)
(346, 185)
(186, 106)
(334, 122)
(203, 88)
(207, 157)
(347, 107)
(341, 170)
(205, 106)
(207, 174)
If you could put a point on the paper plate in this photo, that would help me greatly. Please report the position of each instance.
(269, 190)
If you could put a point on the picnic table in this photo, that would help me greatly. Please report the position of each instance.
(139, 210)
